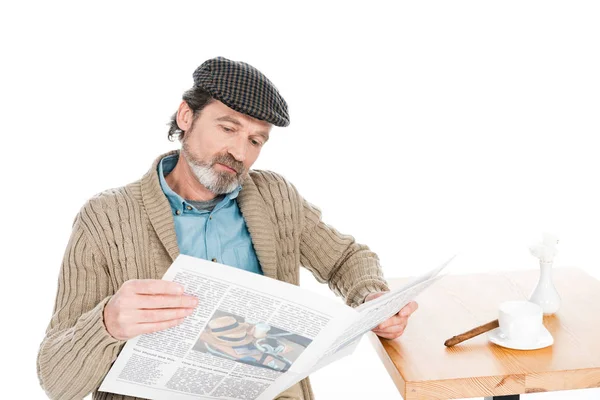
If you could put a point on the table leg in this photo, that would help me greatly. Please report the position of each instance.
(509, 397)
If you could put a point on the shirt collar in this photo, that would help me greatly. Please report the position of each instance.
(165, 166)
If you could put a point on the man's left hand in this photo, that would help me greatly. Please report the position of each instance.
(393, 327)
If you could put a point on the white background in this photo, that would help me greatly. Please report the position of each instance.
(423, 129)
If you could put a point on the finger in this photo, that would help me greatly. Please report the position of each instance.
(391, 329)
(408, 309)
(404, 313)
(162, 314)
(156, 326)
(390, 336)
(154, 286)
(165, 301)
(402, 322)
(393, 320)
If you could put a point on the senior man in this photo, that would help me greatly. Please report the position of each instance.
(203, 201)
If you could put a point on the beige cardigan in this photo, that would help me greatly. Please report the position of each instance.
(128, 233)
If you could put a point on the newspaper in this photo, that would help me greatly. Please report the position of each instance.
(251, 337)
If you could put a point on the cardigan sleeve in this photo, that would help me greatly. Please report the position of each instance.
(77, 350)
(350, 269)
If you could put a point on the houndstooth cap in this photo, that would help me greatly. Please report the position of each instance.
(243, 88)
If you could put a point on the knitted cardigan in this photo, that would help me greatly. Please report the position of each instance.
(128, 233)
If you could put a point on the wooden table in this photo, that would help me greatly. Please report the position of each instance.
(423, 368)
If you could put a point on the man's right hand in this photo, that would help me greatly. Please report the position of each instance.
(146, 305)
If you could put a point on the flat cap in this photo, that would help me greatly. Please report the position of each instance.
(243, 88)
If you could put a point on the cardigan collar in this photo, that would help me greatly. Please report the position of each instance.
(252, 206)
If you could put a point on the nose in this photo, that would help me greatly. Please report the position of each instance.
(238, 148)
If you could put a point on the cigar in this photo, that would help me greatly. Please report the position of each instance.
(472, 333)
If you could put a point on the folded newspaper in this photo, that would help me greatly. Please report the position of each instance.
(251, 337)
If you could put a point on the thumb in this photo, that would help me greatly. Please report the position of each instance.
(373, 296)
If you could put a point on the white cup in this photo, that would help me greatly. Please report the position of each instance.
(520, 321)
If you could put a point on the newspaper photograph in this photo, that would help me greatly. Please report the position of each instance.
(254, 343)
(251, 337)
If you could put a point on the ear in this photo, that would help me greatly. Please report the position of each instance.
(185, 116)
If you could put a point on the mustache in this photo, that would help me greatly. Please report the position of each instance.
(228, 160)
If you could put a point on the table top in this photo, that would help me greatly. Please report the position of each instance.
(423, 368)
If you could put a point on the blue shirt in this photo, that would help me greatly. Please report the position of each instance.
(219, 235)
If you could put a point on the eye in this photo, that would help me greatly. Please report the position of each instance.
(255, 142)
(227, 129)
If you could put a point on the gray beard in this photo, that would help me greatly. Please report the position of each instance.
(215, 181)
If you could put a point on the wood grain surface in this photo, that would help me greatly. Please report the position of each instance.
(423, 368)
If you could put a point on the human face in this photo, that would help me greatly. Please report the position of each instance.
(221, 145)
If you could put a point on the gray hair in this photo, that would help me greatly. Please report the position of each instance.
(196, 98)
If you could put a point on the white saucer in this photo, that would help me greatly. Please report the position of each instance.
(544, 340)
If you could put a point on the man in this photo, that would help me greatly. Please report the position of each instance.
(203, 201)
